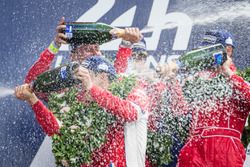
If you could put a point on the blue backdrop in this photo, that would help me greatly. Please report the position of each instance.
(28, 27)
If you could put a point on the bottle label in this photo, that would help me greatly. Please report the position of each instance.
(218, 58)
(63, 72)
(111, 164)
(69, 31)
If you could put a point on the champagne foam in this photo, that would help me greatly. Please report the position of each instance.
(228, 13)
(6, 92)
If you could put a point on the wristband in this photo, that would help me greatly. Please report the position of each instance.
(53, 48)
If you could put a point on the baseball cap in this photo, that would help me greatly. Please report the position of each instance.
(223, 37)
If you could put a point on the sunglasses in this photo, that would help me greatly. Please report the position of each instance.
(142, 56)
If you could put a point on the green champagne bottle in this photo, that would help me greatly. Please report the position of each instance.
(55, 79)
(204, 58)
(91, 33)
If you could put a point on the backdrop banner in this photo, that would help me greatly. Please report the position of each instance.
(170, 28)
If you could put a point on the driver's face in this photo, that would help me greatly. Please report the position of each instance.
(85, 51)
(229, 50)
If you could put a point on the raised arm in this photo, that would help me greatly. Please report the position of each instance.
(132, 35)
(42, 64)
(46, 57)
(121, 60)
(241, 89)
(44, 116)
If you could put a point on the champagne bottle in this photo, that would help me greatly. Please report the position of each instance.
(91, 33)
(56, 79)
(204, 58)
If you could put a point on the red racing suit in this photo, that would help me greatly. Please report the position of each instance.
(114, 148)
(125, 111)
(215, 137)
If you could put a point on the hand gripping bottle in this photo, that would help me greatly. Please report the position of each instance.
(204, 58)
